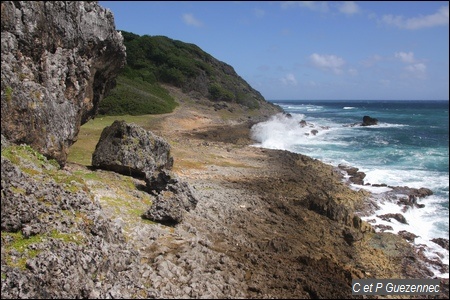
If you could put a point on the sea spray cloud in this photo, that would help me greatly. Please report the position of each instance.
(281, 131)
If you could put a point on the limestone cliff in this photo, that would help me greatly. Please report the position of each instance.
(59, 59)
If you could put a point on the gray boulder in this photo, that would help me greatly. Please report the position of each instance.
(131, 150)
(173, 199)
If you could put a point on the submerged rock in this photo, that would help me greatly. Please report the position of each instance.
(369, 121)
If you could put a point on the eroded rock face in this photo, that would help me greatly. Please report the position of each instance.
(59, 59)
(70, 244)
(131, 150)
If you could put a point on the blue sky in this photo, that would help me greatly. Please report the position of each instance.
(311, 50)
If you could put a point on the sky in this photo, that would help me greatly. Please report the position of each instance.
(311, 50)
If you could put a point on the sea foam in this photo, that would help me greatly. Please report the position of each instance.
(400, 151)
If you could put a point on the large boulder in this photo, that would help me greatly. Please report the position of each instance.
(173, 199)
(131, 150)
(59, 59)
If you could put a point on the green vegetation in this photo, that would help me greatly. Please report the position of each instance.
(17, 152)
(156, 60)
(217, 92)
(26, 246)
(136, 97)
(8, 93)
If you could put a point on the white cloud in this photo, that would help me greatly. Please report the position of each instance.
(349, 8)
(189, 19)
(289, 79)
(417, 70)
(405, 57)
(329, 62)
(440, 18)
(414, 68)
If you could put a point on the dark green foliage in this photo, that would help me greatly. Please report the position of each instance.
(218, 93)
(136, 97)
(152, 60)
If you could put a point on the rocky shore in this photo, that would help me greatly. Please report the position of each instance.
(248, 222)
(268, 224)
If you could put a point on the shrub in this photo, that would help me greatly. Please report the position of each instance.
(218, 93)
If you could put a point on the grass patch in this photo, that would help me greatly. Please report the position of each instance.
(71, 183)
(183, 164)
(18, 153)
(18, 249)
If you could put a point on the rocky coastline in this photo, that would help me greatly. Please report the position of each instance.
(203, 214)
(268, 224)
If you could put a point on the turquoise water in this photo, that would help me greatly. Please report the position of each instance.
(408, 147)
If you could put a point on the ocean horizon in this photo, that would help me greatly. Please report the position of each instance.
(408, 147)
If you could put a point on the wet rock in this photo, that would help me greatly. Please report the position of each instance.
(398, 217)
(407, 235)
(369, 121)
(441, 242)
(383, 228)
(412, 193)
(355, 176)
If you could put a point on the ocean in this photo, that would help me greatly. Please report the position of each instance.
(408, 147)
